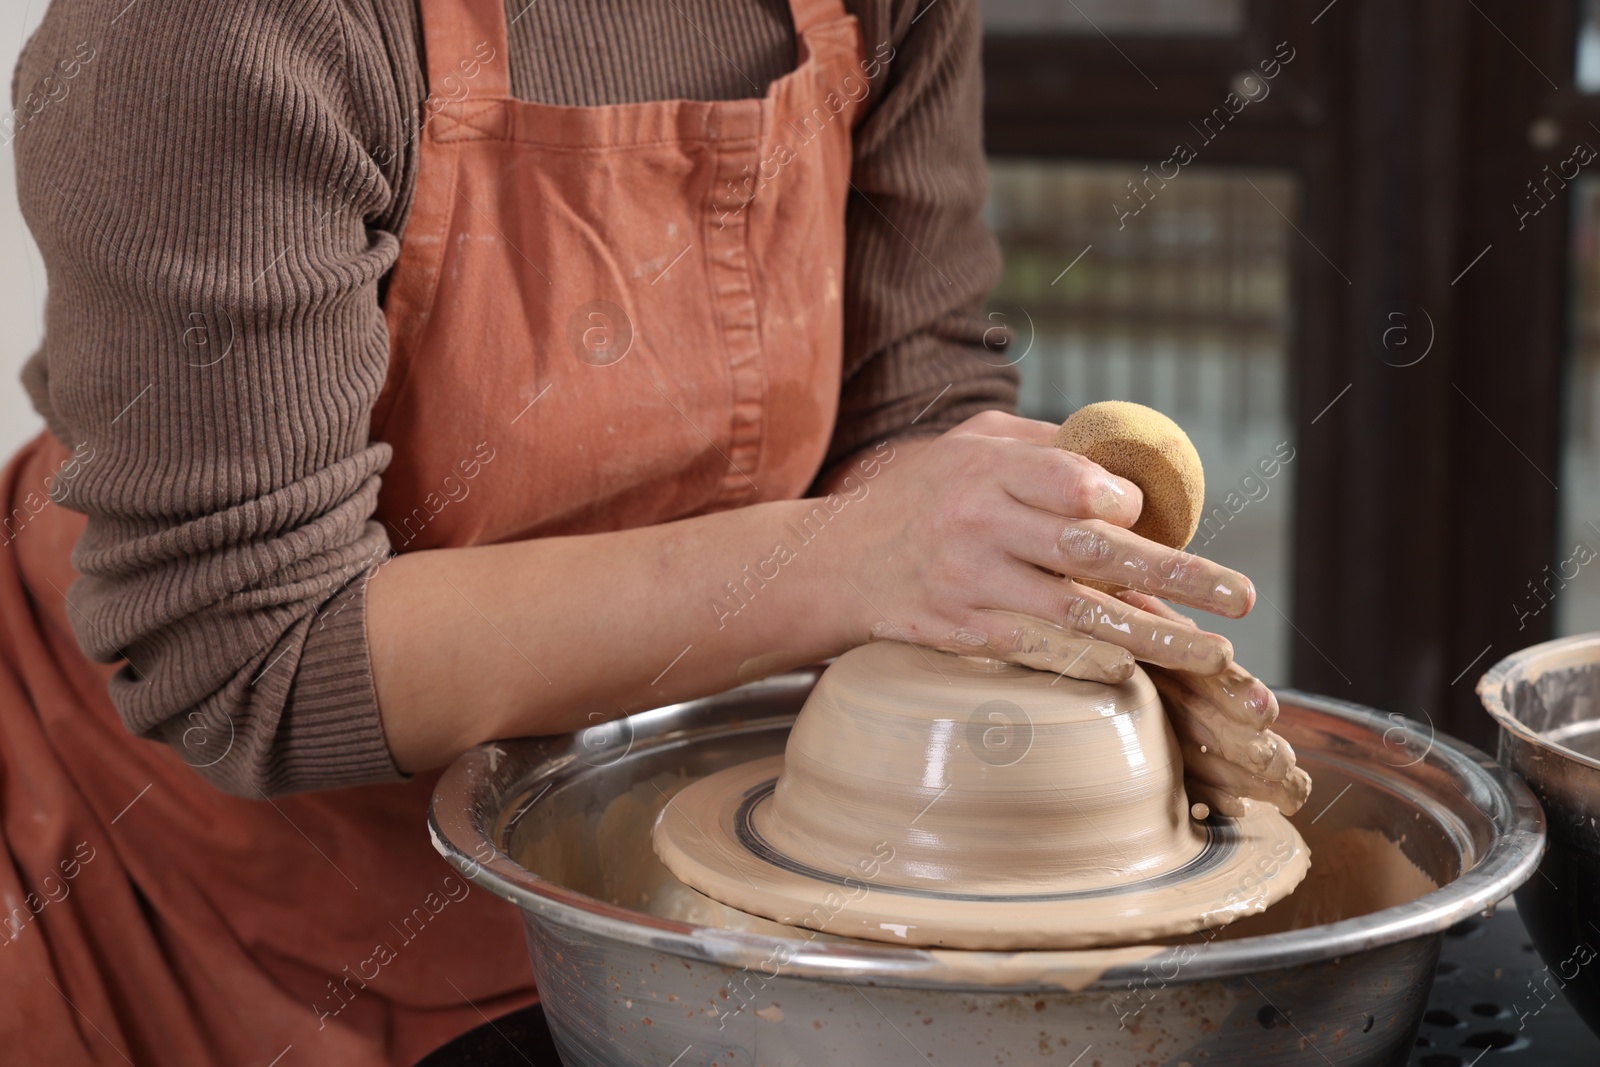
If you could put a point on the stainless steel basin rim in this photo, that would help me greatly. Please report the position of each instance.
(466, 824)
(1495, 687)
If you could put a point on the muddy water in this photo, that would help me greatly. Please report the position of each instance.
(608, 855)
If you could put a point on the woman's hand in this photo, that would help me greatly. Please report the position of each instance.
(980, 542)
(1223, 725)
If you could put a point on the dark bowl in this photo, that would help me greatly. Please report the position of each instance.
(1547, 702)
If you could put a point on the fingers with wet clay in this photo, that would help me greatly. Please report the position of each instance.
(1031, 642)
(1287, 795)
(1092, 613)
(1222, 722)
(1234, 698)
(1201, 719)
(1085, 548)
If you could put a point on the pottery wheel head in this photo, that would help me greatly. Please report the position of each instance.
(932, 799)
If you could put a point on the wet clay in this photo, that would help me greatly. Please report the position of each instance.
(937, 800)
(980, 776)
(1229, 751)
(602, 854)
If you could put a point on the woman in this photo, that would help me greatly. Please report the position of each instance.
(420, 378)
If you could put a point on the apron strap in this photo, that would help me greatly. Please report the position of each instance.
(465, 44)
(810, 13)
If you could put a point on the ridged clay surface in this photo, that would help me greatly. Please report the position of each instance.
(937, 800)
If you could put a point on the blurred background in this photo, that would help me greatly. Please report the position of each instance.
(1352, 243)
(1357, 233)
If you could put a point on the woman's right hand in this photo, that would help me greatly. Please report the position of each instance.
(979, 542)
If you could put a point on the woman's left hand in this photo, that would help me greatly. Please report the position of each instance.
(1223, 722)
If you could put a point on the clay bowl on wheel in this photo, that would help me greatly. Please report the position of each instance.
(939, 800)
(1547, 702)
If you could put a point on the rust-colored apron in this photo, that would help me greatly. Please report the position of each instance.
(601, 318)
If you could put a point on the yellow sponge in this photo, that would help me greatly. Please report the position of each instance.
(1151, 451)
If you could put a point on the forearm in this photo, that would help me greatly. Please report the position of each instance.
(961, 546)
(553, 635)
(904, 448)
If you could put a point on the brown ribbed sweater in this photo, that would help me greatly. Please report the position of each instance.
(181, 169)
